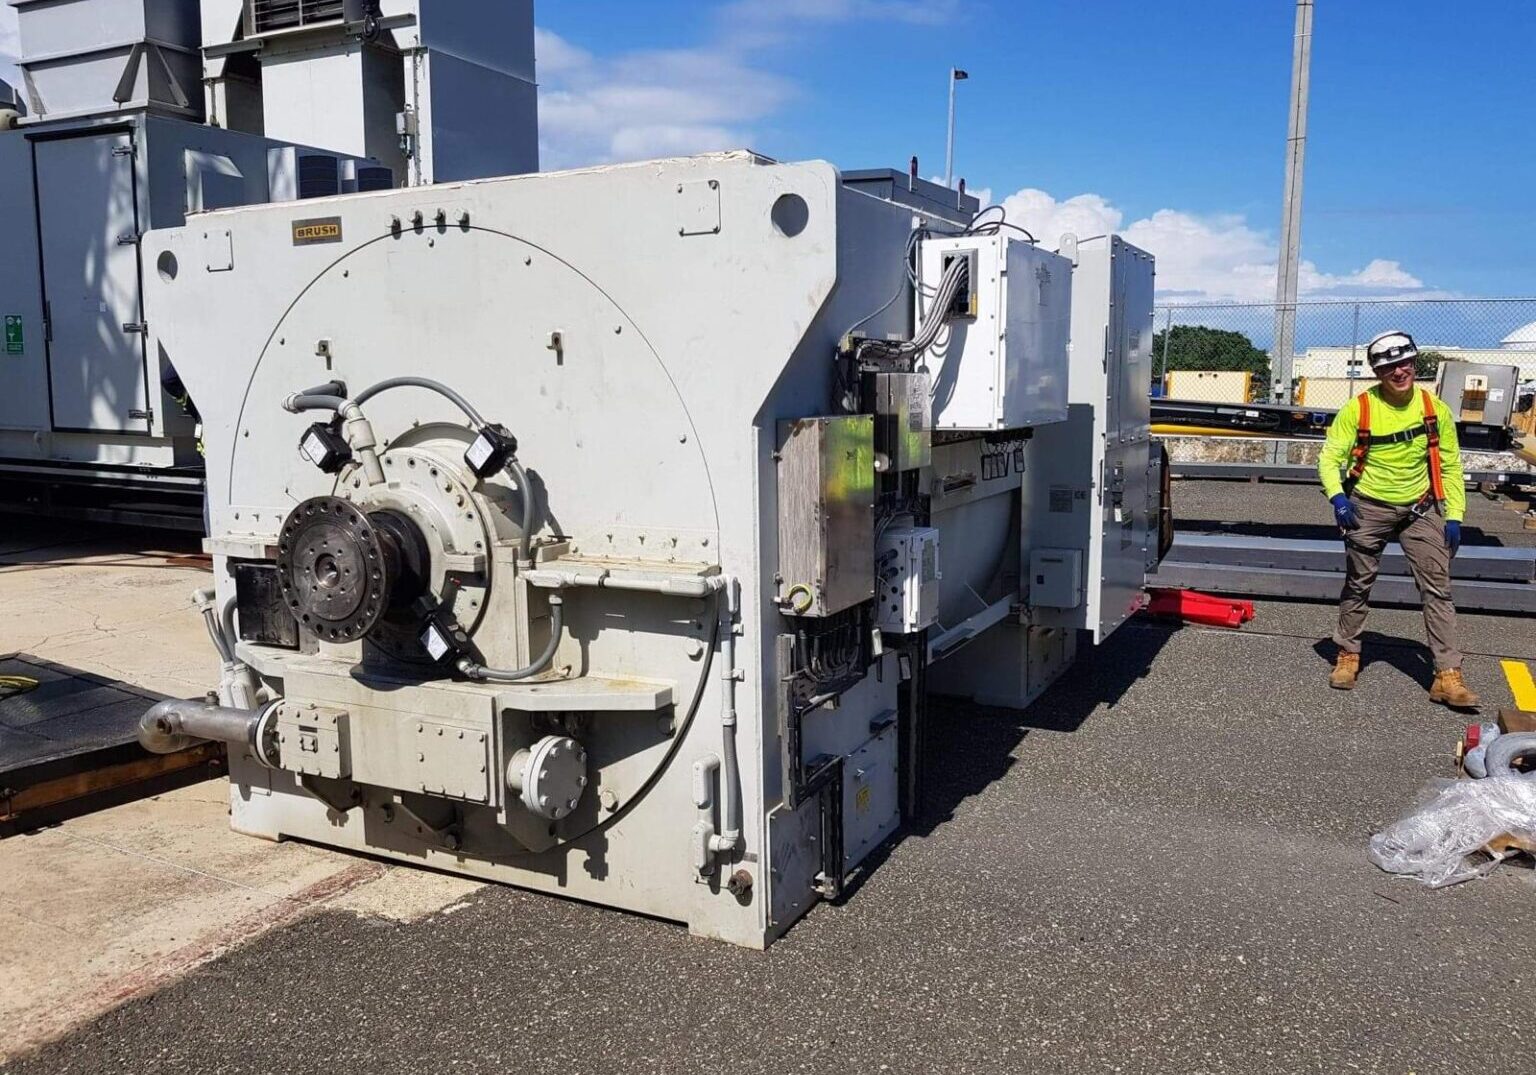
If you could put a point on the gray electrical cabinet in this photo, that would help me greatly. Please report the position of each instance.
(82, 383)
(97, 376)
(1479, 395)
(1093, 482)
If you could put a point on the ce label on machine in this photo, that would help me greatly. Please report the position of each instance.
(14, 344)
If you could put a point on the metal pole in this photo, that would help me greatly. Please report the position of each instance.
(1290, 222)
(949, 142)
(1354, 342)
(1167, 335)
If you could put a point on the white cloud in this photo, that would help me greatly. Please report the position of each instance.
(646, 103)
(756, 23)
(921, 12)
(1203, 257)
(659, 102)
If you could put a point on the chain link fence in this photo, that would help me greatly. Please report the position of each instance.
(1222, 353)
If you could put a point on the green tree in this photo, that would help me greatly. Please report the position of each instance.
(1196, 347)
(1427, 365)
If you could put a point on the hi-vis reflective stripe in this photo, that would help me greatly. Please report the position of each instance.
(1521, 686)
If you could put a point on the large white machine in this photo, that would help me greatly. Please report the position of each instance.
(597, 531)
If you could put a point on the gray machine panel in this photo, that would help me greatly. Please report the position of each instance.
(91, 282)
(1092, 483)
(24, 359)
(1129, 342)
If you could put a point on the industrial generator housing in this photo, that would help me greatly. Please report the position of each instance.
(598, 532)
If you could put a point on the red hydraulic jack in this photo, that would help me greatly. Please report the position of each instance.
(1189, 606)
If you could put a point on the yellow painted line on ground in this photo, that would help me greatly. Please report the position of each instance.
(1521, 686)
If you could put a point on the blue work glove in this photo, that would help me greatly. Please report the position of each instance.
(1453, 535)
(1344, 512)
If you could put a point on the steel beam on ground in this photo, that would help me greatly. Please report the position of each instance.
(1490, 563)
(69, 745)
(149, 519)
(1470, 595)
(117, 476)
(1306, 472)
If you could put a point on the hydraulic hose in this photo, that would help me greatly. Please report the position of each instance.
(313, 400)
(524, 490)
(1501, 753)
(216, 635)
(227, 621)
(539, 663)
(301, 402)
(422, 382)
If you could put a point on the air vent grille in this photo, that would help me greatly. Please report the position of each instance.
(270, 15)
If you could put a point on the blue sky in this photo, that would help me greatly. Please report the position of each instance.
(1164, 120)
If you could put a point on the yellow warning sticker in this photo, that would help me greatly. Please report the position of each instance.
(861, 800)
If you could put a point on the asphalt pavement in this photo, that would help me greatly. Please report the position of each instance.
(1160, 867)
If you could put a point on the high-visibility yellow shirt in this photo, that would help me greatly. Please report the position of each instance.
(1394, 473)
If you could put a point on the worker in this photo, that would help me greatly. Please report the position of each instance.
(1390, 463)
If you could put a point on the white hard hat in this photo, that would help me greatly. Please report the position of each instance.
(1390, 348)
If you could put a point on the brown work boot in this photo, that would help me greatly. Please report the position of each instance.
(1450, 689)
(1345, 671)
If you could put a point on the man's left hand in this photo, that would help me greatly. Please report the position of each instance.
(1453, 535)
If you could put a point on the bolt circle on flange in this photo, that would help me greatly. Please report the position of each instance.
(550, 776)
(333, 569)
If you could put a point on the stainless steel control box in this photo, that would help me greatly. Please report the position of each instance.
(826, 514)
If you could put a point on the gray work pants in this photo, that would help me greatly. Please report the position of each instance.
(1423, 541)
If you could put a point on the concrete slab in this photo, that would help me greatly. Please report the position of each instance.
(117, 603)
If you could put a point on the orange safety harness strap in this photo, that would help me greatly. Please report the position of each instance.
(1362, 444)
(1364, 440)
(1432, 427)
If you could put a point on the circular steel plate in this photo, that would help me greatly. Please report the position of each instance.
(333, 568)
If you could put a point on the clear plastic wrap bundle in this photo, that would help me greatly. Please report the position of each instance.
(1444, 840)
